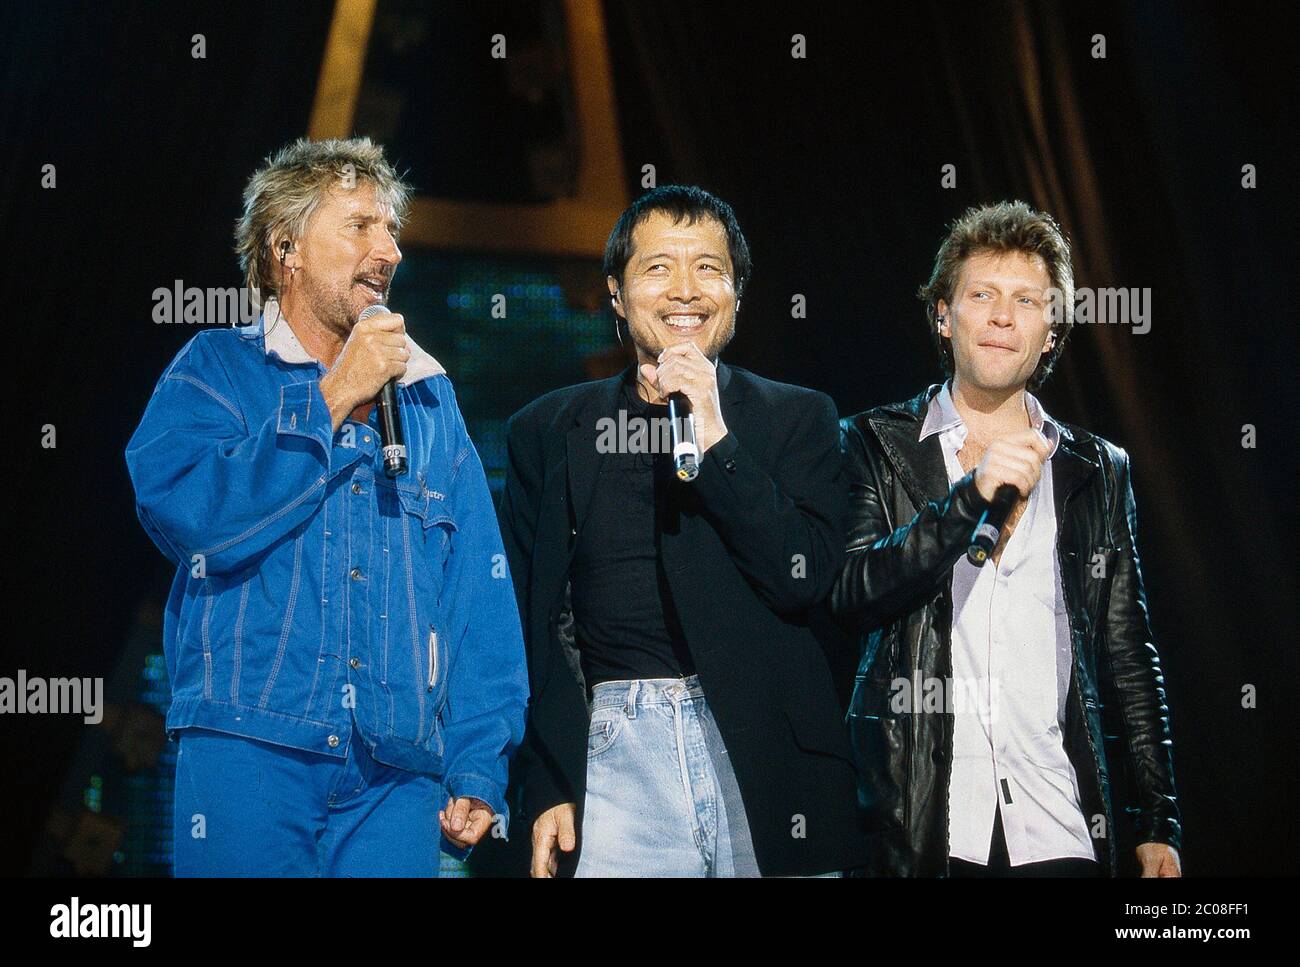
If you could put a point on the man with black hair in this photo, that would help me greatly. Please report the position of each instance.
(684, 721)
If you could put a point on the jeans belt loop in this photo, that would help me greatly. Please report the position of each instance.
(630, 708)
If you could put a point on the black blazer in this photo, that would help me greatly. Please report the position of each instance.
(755, 549)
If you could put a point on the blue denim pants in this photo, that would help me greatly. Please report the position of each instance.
(249, 808)
(662, 798)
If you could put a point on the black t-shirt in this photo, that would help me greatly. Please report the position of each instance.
(625, 621)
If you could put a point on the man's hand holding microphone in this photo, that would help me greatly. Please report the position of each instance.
(1014, 460)
(1009, 468)
(374, 353)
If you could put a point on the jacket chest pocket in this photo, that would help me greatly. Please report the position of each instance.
(420, 539)
(429, 510)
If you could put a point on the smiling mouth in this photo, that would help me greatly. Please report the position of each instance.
(684, 323)
(993, 345)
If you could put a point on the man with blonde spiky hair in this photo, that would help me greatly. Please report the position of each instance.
(344, 649)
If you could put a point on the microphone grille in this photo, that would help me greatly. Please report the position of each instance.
(372, 310)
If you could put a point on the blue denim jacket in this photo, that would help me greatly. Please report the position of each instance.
(315, 600)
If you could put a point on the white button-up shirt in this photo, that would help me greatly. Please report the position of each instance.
(1011, 663)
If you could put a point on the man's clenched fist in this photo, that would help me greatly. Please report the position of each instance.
(1015, 459)
(464, 821)
(374, 353)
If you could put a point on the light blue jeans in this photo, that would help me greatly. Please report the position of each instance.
(662, 798)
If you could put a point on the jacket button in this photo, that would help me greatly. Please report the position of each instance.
(356, 488)
(355, 662)
(356, 573)
(730, 465)
(333, 741)
(937, 755)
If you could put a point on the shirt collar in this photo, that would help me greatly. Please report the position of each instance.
(280, 340)
(941, 416)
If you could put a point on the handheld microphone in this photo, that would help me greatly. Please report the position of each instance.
(989, 529)
(686, 452)
(390, 417)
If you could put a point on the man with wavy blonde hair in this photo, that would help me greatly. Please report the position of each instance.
(1028, 660)
(344, 649)
(282, 197)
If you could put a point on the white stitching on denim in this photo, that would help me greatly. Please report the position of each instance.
(239, 638)
(387, 616)
(324, 622)
(211, 392)
(207, 643)
(415, 624)
(254, 529)
(288, 621)
(369, 495)
(455, 465)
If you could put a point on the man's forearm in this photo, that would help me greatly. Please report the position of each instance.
(887, 576)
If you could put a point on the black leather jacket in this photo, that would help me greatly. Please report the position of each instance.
(907, 529)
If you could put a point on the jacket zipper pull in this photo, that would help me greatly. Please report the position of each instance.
(433, 657)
